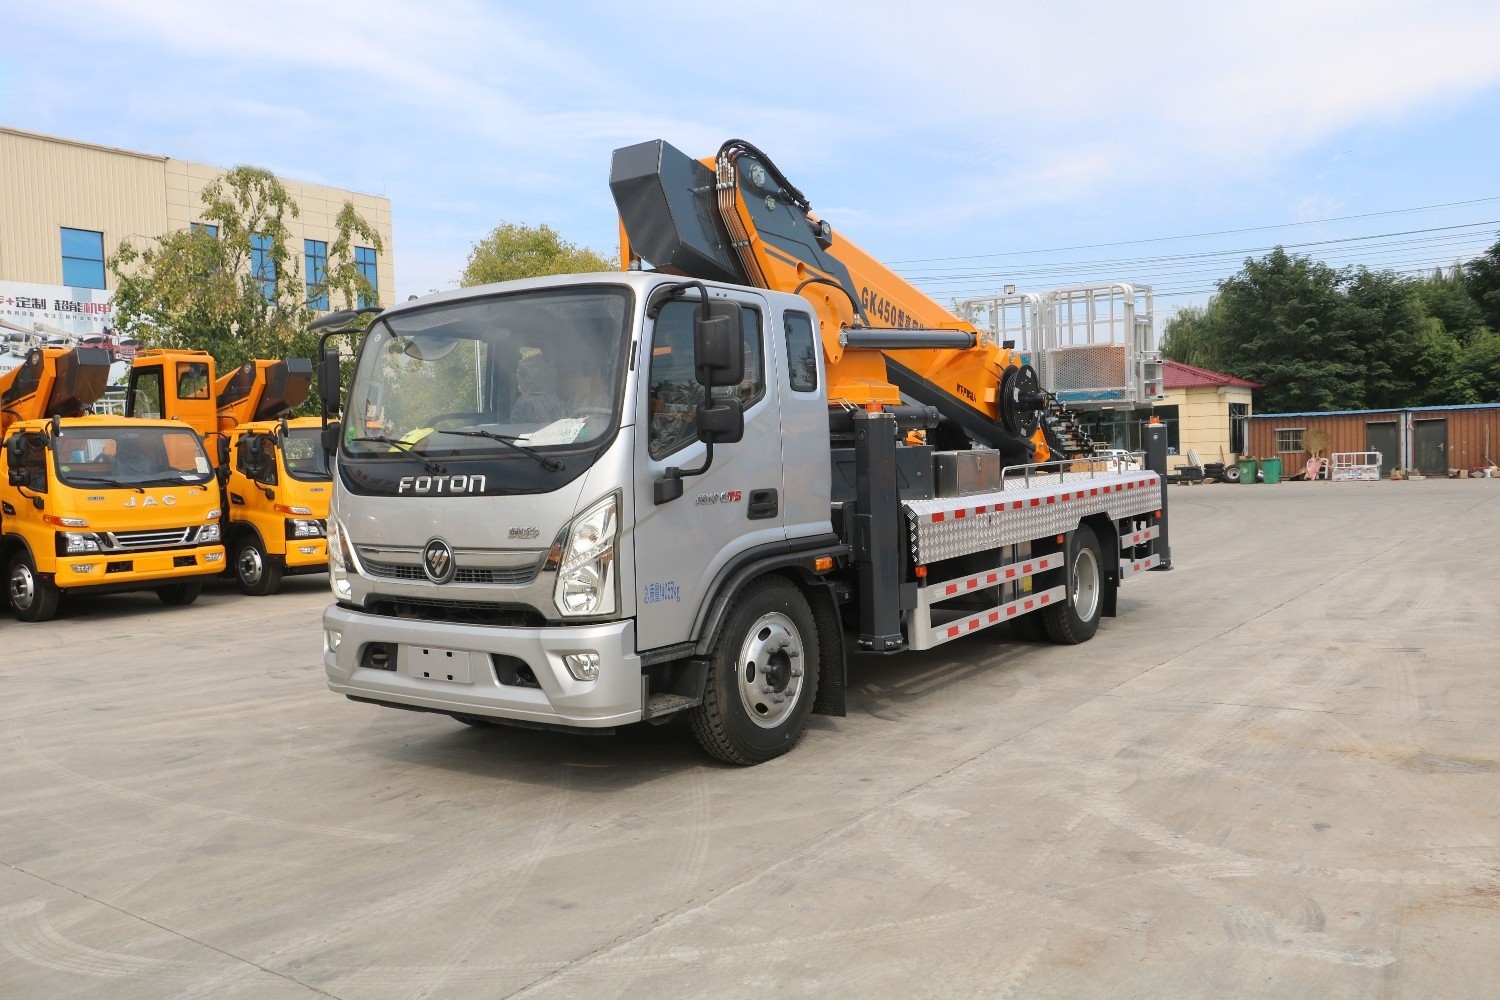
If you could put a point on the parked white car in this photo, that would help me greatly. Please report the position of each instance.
(1120, 460)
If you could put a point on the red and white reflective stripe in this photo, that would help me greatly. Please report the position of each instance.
(1144, 535)
(1130, 567)
(1063, 496)
(1005, 612)
(990, 577)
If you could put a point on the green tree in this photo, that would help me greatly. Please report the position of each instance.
(513, 250)
(1482, 279)
(237, 293)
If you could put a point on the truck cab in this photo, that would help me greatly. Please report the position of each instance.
(499, 543)
(275, 482)
(276, 491)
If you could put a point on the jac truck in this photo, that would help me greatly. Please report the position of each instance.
(97, 504)
(274, 477)
(696, 488)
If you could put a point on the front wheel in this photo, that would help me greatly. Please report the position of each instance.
(762, 677)
(180, 594)
(33, 597)
(1077, 619)
(256, 572)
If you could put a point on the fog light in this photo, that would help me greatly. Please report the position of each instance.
(333, 639)
(308, 550)
(214, 557)
(82, 567)
(583, 666)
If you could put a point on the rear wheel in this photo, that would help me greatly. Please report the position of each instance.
(762, 678)
(1077, 619)
(257, 573)
(180, 594)
(33, 598)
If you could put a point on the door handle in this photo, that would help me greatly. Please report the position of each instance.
(763, 504)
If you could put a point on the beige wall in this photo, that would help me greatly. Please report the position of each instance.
(1203, 421)
(47, 183)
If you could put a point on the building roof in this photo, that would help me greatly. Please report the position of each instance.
(1381, 412)
(1176, 375)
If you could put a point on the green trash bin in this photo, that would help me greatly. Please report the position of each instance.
(1272, 469)
(1247, 470)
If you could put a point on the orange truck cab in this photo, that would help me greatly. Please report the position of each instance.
(277, 490)
(97, 504)
(275, 486)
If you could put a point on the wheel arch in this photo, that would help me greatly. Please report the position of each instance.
(1108, 534)
(794, 562)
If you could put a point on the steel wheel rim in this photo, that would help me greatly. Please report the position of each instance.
(768, 670)
(22, 587)
(1085, 584)
(250, 566)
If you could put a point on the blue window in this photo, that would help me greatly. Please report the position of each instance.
(262, 266)
(204, 227)
(364, 259)
(315, 252)
(83, 258)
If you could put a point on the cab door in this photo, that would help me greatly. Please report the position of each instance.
(736, 506)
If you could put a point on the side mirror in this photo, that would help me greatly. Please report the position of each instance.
(718, 347)
(331, 433)
(721, 421)
(328, 380)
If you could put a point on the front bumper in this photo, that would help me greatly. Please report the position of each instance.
(306, 553)
(475, 652)
(75, 572)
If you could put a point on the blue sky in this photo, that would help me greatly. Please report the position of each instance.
(956, 141)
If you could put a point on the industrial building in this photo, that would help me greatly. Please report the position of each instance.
(1430, 440)
(66, 206)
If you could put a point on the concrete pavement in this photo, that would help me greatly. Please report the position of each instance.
(1276, 774)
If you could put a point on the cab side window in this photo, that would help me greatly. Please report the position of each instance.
(192, 380)
(675, 392)
(801, 362)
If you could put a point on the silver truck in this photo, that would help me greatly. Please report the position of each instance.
(694, 488)
(594, 500)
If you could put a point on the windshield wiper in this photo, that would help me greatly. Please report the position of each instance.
(406, 449)
(510, 441)
(107, 482)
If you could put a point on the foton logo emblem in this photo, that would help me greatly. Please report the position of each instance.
(167, 501)
(441, 484)
(437, 561)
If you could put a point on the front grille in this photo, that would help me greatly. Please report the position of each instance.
(457, 612)
(157, 538)
(515, 577)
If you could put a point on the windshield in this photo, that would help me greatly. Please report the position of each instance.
(302, 454)
(126, 457)
(542, 370)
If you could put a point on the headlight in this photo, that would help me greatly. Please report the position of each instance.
(298, 527)
(208, 533)
(339, 561)
(74, 542)
(586, 569)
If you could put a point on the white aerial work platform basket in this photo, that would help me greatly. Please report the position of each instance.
(1350, 466)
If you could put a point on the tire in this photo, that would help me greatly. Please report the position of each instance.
(762, 677)
(1077, 619)
(257, 573)
(33, 598)
(177, 595)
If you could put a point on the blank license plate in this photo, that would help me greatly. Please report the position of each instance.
(435, 664)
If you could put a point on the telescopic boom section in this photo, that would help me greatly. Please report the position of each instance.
(736, 218)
